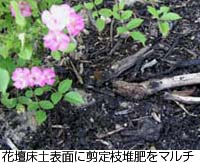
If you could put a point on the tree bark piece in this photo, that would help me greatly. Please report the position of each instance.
(182, 99)
(129, 61)
(150, 87)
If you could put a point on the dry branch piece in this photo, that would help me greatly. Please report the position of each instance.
(182, 99)
(11, 144)
(130, 61)
(141, 90)
(149, 64)
(185, 110)
(100, 136)
(180, 64)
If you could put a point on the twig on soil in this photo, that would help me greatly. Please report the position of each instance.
(150, 87)
(141, 118)
(100, 136)
(195, 55)
(124, 112)
(130, 61)
(185, 110)
(149, 64)
(76, 73)
(107, 143)
(117, 45)
(156, 117)
(172, 47)
(183, 64)
(11, 144)
(182, 99)
(176, 65)
(111, 32)
(59, 127)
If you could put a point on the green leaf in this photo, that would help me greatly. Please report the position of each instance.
(153, 11)
(20, 108)
(33, 106)
(46, 88)
(4, 80)
(121, 4)
(29, 93)
(38, 91)
(126, 14)
(164, 28)
(21, 62)
(20, 20)
(24, 100)
(34, 7)
(163, 9)
(74, 98)
(56, 97)
(94, 14)
(98, 2)
(116, 8)
(40, 116)
(64, 86)
(121, 30)
(78, 7)
(100, 24)
(47, 105)
(170, 17)
(115, 13)
(134, 23)
(26, 52)
(22, 37)
(105, 12)
(8, 64)
(9, 103)
(138, 36)
(71, 47)
(4, 51)
(89, 5)
(56, 55)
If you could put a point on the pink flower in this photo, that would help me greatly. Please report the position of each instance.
(21, 78)
(56, 18)
(75, 24)
(49, 75)
(36, 77)
(56, 40)
(25, 9)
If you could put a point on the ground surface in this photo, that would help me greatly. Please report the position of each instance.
(109, 121)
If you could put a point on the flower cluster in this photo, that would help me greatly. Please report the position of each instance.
(57, 19)
(24, 7)
(36, 76)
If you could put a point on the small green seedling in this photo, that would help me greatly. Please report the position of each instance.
(131, 24)
(119, 13)
(99, 15)
(131, 29)
(163, 16)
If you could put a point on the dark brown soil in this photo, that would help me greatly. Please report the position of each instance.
(109, 121)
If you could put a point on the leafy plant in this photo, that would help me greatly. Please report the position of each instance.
(21, 45)
(33, 99)
(128, 25)
(131, 29)
(99, 15)
(163, 17)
